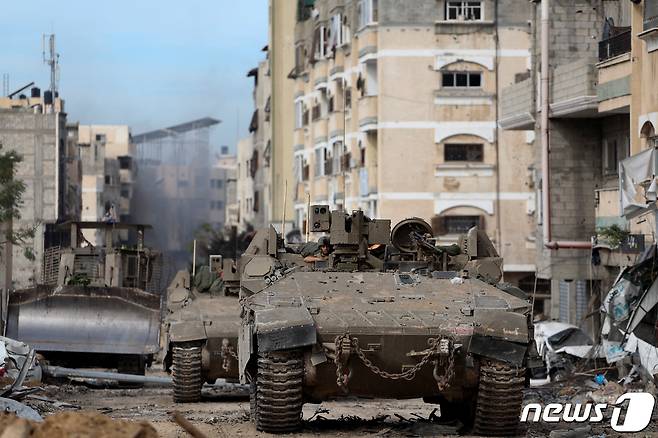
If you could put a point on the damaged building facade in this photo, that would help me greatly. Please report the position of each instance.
(395, 110)
(107, 154)
(35, 127)
(598, 57)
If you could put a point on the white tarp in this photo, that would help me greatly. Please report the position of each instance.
(647, 353)
(637, 183)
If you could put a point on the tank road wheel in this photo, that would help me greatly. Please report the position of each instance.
(186, 372)
(279, 391)
(499, 399)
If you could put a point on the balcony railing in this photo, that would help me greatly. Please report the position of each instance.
(615, 46)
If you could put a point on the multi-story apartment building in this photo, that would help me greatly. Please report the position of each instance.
(35, 127)
(222, 188)
(108, 173)
(281, 55)
(578, 106)
(395, 113)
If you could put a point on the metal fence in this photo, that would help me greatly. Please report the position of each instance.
(615, 46)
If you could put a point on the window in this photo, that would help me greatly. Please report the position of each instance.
(456, 224)
(299, 58)
(464, 10)
(256, 200)
(125, 162)
(100, 138)
(346, 35)
(219, 205)
(315, 112)
(335, 32)
(650, 15)
(319, 162)
(614, 150)
(125, 190)
(368, 11)
(463, 152)
(224, 150)
(371, 86)
(321, 42)
(219, 184)
(299, 114)
(336, 155)
(108, 179)
(458, 79)
(299, 167)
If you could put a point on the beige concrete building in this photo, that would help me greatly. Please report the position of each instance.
(248, 213)
(108, 174)
(223, 195)
(281, 52)
(395, 113)
(628, 61)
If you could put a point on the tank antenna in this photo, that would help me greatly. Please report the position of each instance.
(283, 219)
(308, 216)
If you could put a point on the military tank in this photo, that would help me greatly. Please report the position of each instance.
(200, 328)
(387, 315)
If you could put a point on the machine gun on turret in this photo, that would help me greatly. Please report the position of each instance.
(351, 235)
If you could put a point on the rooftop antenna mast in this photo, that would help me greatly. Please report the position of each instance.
(52, 60)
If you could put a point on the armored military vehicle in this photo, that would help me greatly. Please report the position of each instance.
(96, 305)
(387, 315)
(201, 328)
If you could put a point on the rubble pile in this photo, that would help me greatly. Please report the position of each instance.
(630, 309)
(67, 424)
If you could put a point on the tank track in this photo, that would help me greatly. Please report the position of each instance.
(186, 372)
(278, 407)
(499, 399)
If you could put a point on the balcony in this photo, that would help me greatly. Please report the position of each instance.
(614, 85)
(367, 108)
(517, 104)
(615, 46)
(573, 90)
(336, 124)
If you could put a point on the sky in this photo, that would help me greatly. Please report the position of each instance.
(145, 63)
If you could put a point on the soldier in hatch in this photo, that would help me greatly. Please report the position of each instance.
(322, 253)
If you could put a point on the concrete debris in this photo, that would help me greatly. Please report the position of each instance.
(21, 410)
(577, 432)
(608, 393)
(628, 330)
(561, 346)
(67, 424)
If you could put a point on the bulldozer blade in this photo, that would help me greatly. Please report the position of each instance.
(83, 319)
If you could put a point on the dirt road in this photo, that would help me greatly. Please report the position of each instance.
(220, 416)
(227, 415)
